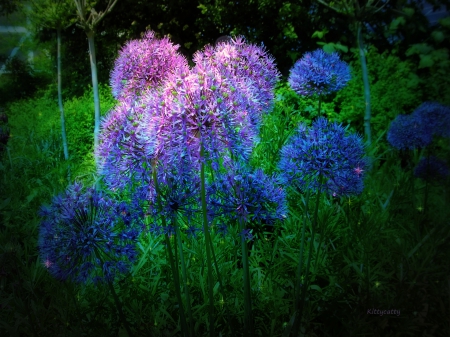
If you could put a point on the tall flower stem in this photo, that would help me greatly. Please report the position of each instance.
(311, 245)
(247, 289)
(219, 277)
(174, 267)
(119, 309)
(207, 244)
(185, 280)
(300, 260)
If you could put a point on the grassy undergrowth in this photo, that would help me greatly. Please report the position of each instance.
(384, 250)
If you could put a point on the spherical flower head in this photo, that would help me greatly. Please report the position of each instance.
(200, 108)
(126, 146)
(177, 197)
(435, 117)
(144, 63)
(319, 73)
(409, 132)
(432, 169)
(247, 195)
(86, 236)
(324, 157)
(249, 68)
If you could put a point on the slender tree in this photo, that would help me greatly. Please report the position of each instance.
(54, 14)
(358, 15)
(88, 23)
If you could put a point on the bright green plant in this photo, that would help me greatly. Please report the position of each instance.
(394, 90)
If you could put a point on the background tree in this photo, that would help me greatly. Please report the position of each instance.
(58, 15)
(88, 24)
(8, 7)
(358, 15)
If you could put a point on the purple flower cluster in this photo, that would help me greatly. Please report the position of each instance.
(125, 151)
(244, 194)
(409, 132)
(144, 64)
(86, 236)
(322, 156)
(431, 169)
(248, 68)
(319, 73)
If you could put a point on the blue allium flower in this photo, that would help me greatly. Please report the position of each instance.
(409, 132)
(435, 117)
(247, 234)
(431, 169)
(324, 154)
(144, 64)
(192, 231)
(319, 73)
(86, 236)
(249, 196)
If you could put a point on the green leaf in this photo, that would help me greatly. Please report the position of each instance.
(5, 203)
(341, 47)
(409, 11)
(438, 36)
(316, 287)
(203, 8)
(426, 61)
(329, 48)
(319, 34)
(419, 48)
(396, 23)
(289, 31)
(445, 22)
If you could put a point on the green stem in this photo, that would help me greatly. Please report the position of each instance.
(207, 246)
(184, 275)
(174, 267)
(247, 290)
(119, 309)
(221, 289)
(311, 245)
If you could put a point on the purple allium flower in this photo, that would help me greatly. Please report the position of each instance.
(431, 169)
(144, 64)
(199, 108)
(324, 153)
(126, 146)
(409, 132)
(251, 196)
(436, 118)
(248, 68)
(86, 236)
(319, 73)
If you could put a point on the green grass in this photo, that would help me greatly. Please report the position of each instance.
(378, 250)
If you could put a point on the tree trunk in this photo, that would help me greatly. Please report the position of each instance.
(365, 75)
(61, 109)
(90, 35)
